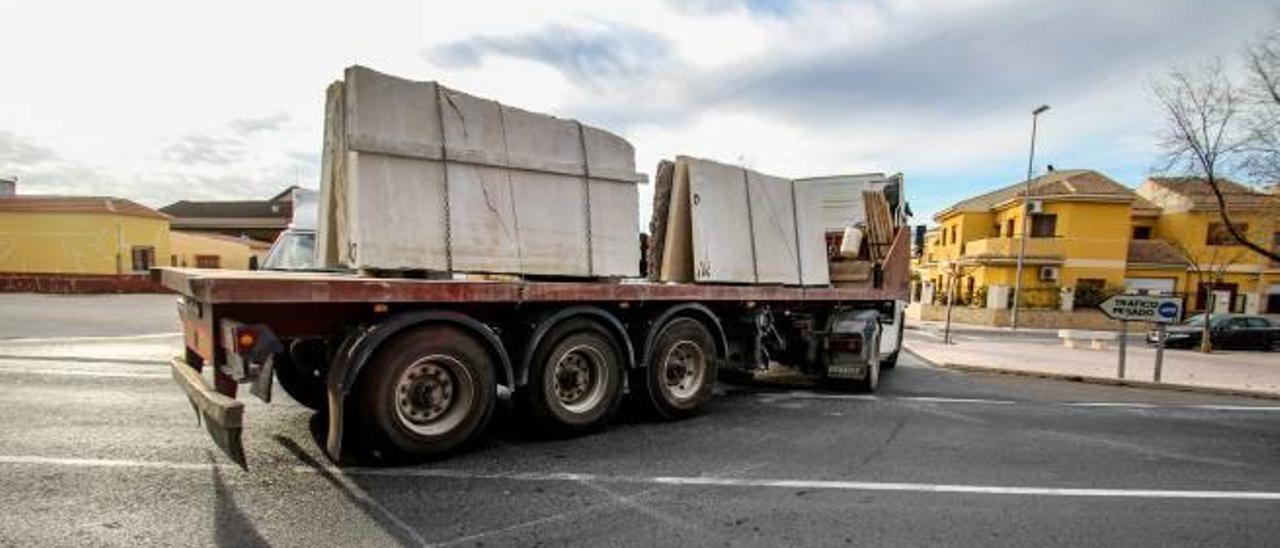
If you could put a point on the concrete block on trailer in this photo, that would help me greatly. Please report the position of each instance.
(512, 190)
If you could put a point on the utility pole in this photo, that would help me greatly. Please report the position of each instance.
(1026, 217)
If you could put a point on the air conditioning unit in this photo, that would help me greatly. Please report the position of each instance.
(1035, 206)
(1050, 273)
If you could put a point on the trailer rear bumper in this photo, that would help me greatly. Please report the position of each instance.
(222, 415)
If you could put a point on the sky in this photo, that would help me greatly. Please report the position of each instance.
(163, 101)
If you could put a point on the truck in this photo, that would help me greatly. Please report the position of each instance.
(411, 366)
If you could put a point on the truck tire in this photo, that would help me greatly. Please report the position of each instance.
(680, 377)
(298, 375)
(871, 382)
(891, 361)
(575, 379)
(427, 392)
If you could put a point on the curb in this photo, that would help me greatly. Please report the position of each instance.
(1134, 383)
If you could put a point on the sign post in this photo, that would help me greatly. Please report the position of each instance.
(1143, 308)
(1160, 335)
(1124, 337)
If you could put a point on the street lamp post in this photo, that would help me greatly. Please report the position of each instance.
(1026, 217)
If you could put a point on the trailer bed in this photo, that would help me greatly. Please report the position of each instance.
(263, 287)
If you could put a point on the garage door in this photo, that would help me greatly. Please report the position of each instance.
(1149, 286)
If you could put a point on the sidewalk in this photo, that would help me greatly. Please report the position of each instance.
(1135, 333)
(1235, 372)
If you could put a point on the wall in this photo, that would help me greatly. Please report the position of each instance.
(77, 243)
(1035, 319)
(232, 254)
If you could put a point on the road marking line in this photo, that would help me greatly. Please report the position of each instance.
(110, 463)
(986, 401)
(113, 338)
(701, 481)
(84, 359)
(711, 481)
(1236, 407)
(79, 373)
(1136, 405)
(936, 399)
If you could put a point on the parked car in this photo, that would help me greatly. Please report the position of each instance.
(1226, 331)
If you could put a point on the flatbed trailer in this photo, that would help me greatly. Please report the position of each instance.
(414, 366)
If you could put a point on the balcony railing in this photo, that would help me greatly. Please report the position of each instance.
(1008, 247)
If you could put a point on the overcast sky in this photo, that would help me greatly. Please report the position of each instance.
(161, 101)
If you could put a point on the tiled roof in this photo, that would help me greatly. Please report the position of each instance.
(186, 209)
(1201, 194)
(1059, 183)
(77, 204)
(1143, 206)
(1154, 252)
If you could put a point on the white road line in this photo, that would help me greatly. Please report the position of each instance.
(711, 481)
(109, 463)
(113, 338)
(81, 373)
(1111, 404)
(1236, 407)
(987, 401)
(696, 481)
(935, 399)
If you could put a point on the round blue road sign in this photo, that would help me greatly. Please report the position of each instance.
(1167, 310)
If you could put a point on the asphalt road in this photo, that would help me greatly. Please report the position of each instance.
(97, 447)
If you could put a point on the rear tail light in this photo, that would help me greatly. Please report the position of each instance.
(850, 345)
(245, 339)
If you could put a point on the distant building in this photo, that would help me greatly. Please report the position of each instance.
(213, 250)
(1087, 234)
(260, 220)
(1189, 219)
(79, 243)
(8, 186)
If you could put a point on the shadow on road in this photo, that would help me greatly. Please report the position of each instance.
(231, 526)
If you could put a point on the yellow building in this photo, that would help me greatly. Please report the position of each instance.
(79, 236)
(1243, 281)
(1091, 236)
(213, 250)
(1078, 229)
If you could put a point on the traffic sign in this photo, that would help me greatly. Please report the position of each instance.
(1143, 308)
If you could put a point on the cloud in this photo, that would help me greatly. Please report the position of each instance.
(199, 148)
(16, 151)
(248, 126)
(594, 54)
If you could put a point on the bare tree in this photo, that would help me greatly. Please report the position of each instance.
(1262, 124)
(1213, 127)
(1209, 266)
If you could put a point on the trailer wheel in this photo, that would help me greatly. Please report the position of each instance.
(300, 377)
(428, 392)
(681, 374)
(575, 379)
